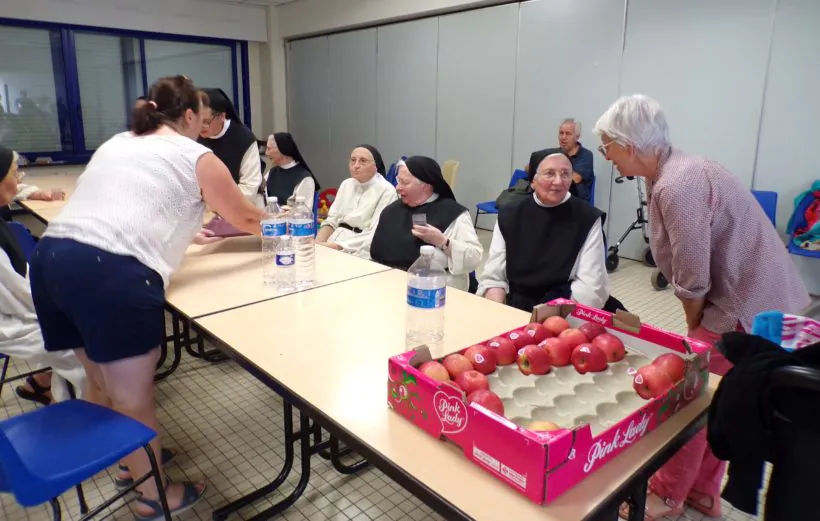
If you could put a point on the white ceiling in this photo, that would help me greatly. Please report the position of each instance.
(255, 2)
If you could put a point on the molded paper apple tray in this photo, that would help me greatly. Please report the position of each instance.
(600, 414)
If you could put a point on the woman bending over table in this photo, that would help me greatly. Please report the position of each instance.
(99, 274)
(425, 195)
(721, 255)
(358, 202)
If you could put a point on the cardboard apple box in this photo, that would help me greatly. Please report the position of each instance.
(544, 465)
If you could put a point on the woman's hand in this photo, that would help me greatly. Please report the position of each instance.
(430, 235)
(331, 245)
(39, 195)
(206, 236)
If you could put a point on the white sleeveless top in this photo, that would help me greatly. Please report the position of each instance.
(138, 196)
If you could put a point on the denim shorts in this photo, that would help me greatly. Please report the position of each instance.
(113, 306)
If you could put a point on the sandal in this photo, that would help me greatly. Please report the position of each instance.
(697, 501)
(190, 497)
(167, 456)
(37, 393)
(623, 511)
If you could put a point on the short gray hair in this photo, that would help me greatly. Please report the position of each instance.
(636, 120)
(576, 124)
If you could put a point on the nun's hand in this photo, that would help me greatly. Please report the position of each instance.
(206, 236)
(429, 234)
(40, 196)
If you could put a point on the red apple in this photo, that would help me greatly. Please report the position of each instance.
(556, 324)
(573, 337)
(543, 425)
(559, 350)
(471, 381)
(505, 350)
(537, 332)
(589, 358)
(520, 338)
(533, 360)
(482, 358)
(651, 381)
(591, 330)
(487, 399)
(457, 364)
(673, 365)
(611, 345)
(435, 370)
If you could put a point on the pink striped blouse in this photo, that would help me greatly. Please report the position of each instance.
(710, 238)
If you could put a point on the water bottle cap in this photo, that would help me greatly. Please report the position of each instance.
(273, 199)
(428, 250)
(300, 199)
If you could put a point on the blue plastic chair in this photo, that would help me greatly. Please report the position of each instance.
(48, 451)
(393, 172)
(489, 207)
(768, 201)
(24, 237)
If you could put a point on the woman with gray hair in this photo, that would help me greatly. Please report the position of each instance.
(722, 256)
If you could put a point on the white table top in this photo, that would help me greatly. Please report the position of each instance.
(330, 346)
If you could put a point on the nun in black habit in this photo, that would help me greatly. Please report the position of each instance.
(232, 142)
(424, 196)
(290, 175)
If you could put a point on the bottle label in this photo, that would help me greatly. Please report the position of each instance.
(285, 259)
(426, 298)
(301, 229)
(273, 229)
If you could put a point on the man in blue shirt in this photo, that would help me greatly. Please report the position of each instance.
(583, 172)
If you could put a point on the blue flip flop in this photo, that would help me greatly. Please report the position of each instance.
(190, 497)
(167, 456)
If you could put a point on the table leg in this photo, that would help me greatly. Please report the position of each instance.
(336, 459)
(176, 342)
(637, 503)
(303, 436)
(213, 356)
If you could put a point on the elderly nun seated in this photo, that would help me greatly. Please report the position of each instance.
(548, 245)
(358, 202)
(426, 213)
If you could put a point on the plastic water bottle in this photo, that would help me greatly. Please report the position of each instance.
(274, 228)
(285, 265)
(426, 292)
(300, 226)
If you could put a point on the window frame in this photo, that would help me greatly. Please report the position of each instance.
(66, 78)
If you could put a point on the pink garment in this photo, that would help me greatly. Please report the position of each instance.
(711, 239)
(694, 467)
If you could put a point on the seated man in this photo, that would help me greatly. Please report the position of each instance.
(20, 335)
(583, 173)
(424, 194)
(548, 245)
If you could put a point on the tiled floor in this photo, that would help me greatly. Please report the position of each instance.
(227, 427)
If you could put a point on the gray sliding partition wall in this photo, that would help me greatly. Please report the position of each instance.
(488, 86)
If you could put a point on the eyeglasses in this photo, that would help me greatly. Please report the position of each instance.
(207, 122)
(603, 148)
(551, 175)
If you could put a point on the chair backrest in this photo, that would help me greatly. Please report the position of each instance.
(12, 470)
(393, 172)
(25, 238)
(449, 170)
(516, 176)
(768, 201)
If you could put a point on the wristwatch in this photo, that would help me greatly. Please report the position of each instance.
(444, 246)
